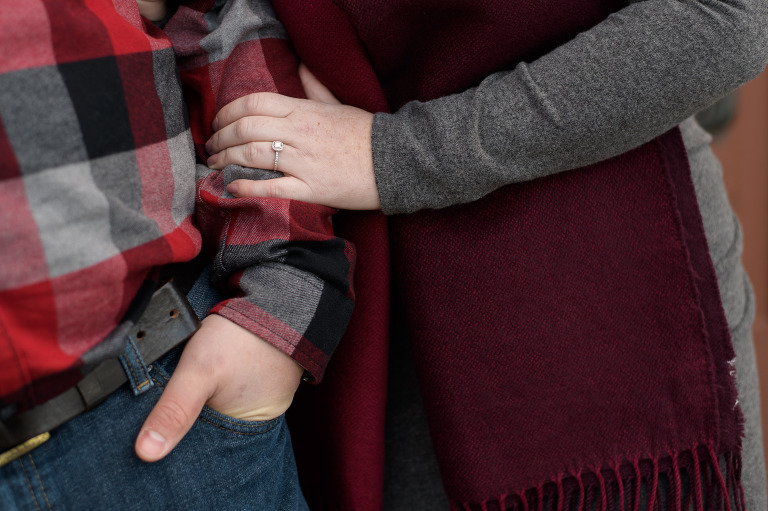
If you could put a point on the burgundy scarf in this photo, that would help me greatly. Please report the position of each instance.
(568, 332)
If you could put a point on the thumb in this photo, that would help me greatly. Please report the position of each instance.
(282, 188)
(314, 89)
(173, 415)
(153, 10)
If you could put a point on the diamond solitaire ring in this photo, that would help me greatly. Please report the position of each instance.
(277, 146)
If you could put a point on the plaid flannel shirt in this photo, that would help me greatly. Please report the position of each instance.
(99, 185)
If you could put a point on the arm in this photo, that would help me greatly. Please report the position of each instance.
(287, 275)
(625, 81)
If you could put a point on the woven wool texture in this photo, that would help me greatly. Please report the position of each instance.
(568, 332)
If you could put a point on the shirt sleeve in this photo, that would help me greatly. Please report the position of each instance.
(640, 72)
(288, 277)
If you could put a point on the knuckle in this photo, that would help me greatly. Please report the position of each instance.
(216, 139)
(251, 103)
(223, 160)
(243, 127)
(252, 152)
(172, 416)
(255, 102)
(273, 188)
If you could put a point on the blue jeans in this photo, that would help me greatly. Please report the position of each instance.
(89, 463)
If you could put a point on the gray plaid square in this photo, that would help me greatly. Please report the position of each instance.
(73, 217)
(40, 120)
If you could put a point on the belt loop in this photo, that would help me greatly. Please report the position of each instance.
(135, 368)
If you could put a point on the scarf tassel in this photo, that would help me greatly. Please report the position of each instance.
(695, 479)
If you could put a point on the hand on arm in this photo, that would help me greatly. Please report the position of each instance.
(319, 137)
(618, 85)
(227, 368)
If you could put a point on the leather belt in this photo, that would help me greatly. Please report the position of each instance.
(167, 321)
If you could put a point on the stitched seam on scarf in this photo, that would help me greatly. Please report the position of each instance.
(693, 289)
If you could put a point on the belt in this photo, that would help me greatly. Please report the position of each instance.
(167, 321)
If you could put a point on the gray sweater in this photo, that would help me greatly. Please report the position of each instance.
(632, 77)
(637, 74)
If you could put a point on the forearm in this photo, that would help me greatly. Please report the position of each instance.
(285, 272)
(288, 276)
(625, 81)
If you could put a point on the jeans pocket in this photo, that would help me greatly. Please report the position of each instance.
(239, 426)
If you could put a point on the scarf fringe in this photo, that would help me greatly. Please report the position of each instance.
(695, 479)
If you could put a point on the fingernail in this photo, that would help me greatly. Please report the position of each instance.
(232, 188)
(215, 125)
(212, 160)
(152, 444)
(209, 146)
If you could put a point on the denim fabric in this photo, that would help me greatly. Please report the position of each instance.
(89, 463)
(204, 297)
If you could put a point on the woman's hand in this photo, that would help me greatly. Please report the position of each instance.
(327, 155)
(153, 10)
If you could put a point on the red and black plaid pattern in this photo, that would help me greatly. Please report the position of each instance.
(98, 176)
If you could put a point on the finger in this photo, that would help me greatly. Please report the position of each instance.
(153, 10)
(174, 414)
(282, 187)
(314, 89)
(250, 129)
(258, 155)
(259, 103)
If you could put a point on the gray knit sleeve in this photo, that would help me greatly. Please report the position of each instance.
(630, 78)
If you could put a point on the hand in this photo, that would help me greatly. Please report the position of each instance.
(153, 10)
(327, 155)
(232, 371)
